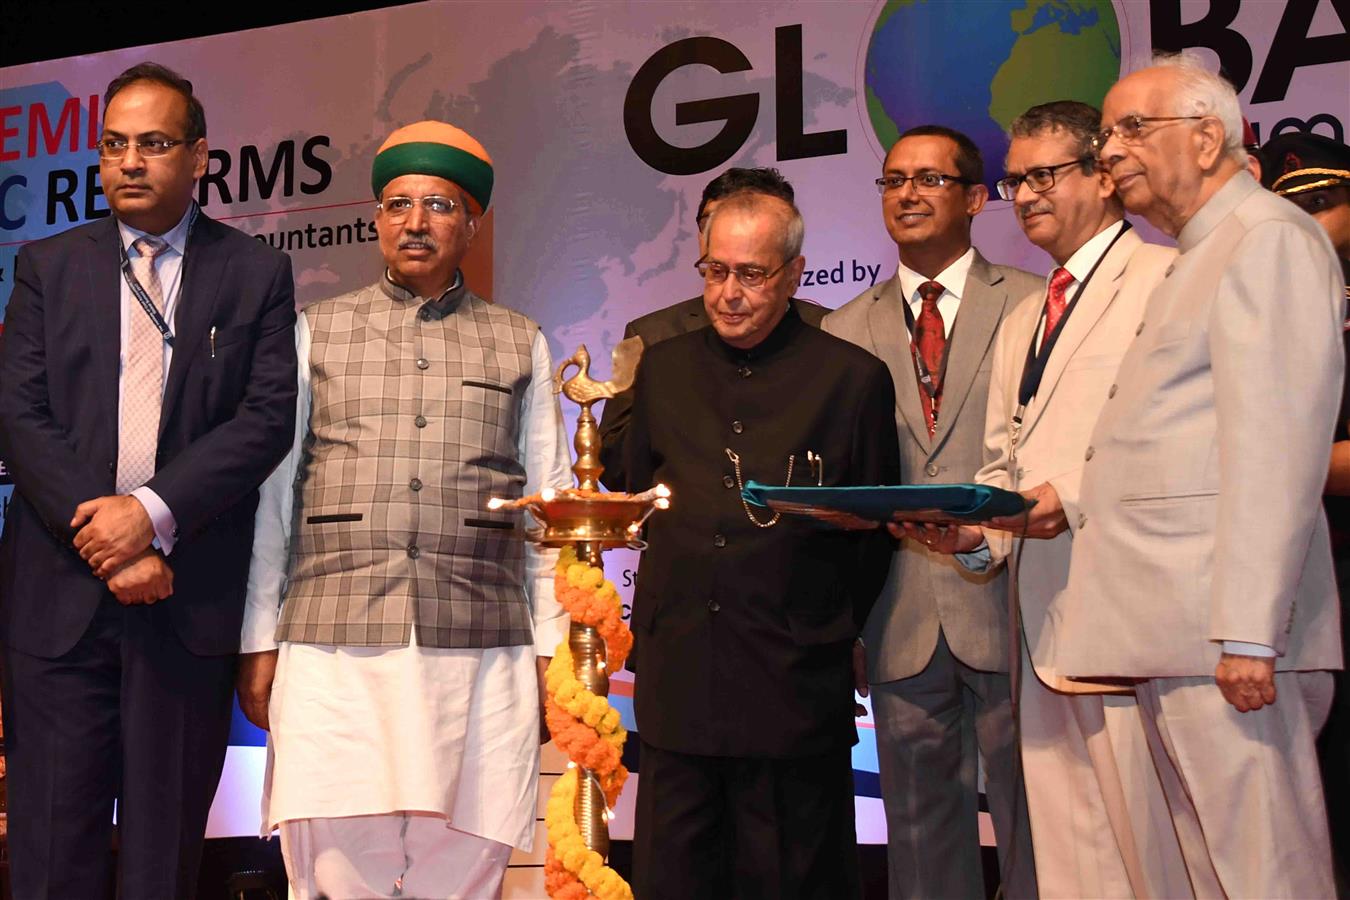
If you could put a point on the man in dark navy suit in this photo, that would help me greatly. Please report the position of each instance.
(147, 387)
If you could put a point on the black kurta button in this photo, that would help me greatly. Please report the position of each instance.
(714, 606)
(737, 427)
(420, 421)
(719, 541)
(426, 315)
(743, 371)
(728, 481)
(422, 363)
(413, 552)
(415, 484)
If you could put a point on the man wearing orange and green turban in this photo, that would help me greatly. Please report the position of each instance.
(396, 630)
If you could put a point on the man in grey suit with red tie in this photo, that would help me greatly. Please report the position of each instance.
(937, 639)
(139, 411)
(1201, 568)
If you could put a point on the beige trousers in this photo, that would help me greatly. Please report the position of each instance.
(1099, 819)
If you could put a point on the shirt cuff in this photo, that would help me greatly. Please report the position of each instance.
(977, 560)
(165, 525)
(1245, 648)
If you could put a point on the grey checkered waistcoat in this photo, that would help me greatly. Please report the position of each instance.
(415, 424)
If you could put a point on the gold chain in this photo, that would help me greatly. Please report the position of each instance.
(740, 486)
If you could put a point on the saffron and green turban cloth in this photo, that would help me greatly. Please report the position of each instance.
(439, 149)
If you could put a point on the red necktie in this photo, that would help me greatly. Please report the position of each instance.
(1060, 280)
(930, 343)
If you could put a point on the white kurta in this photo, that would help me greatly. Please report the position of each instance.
(377, 730)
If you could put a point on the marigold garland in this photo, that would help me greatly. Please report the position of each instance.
(587, 729)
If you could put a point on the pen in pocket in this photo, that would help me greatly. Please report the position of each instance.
(213, 342)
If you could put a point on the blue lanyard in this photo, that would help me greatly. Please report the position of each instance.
(139, 293)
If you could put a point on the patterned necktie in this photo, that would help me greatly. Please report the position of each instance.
(930, 343)
(1060, 280)
(142, 375)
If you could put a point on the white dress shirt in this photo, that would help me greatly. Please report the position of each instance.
(953, 281)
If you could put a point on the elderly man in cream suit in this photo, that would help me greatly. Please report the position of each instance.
(1055, 359)
(937, 639)
(1201, 566)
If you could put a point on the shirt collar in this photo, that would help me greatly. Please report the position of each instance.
(1216, 209)
(175, 237)
(1086, 256)
(438, 307)
(952, 278)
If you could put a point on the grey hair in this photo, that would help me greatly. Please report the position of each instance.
(1201, 92)
(755, 203)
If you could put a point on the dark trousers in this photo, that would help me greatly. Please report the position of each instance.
(130, 715)
(721, 827)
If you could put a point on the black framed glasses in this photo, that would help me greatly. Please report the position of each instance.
(116, 148)
(924, 182)
(396, 209)
(1039, 179)
(715, 272)
(1130, 129)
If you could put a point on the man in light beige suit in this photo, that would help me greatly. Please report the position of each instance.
(937, 639)
(1201, 564)
(1055, 359)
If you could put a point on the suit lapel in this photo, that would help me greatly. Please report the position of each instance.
(1097, 298)
(982, 305)
(890, 342)
(102, 267)
(203, 269)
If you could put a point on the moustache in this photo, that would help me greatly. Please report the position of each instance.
(1024, 211)
(418, 242)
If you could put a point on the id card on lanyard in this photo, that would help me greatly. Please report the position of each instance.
(929, 382)
(142, 298)
(1034, 367)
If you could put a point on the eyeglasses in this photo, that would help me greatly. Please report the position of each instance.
(924, 182)
(715, 272)
(396, 209)
(1039, 179)
(1131, 128)
(116, 148)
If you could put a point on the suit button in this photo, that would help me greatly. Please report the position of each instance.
(420, 421)
(728, 481)
(931, 469)
(737, 427)
(743, 371)
(175, 532)
(1088, 455)
(719, 541)
(1111, 393)
(413, 552)
(714, 606)
(1140, 330)
(422, 363)
(415, 484)
(1082, 520)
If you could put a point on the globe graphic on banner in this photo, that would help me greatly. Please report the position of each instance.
(976, 66)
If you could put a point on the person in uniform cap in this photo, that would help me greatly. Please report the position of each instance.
(397, 632)
(1313, 172)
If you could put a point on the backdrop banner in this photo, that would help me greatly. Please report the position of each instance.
(605, 120)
